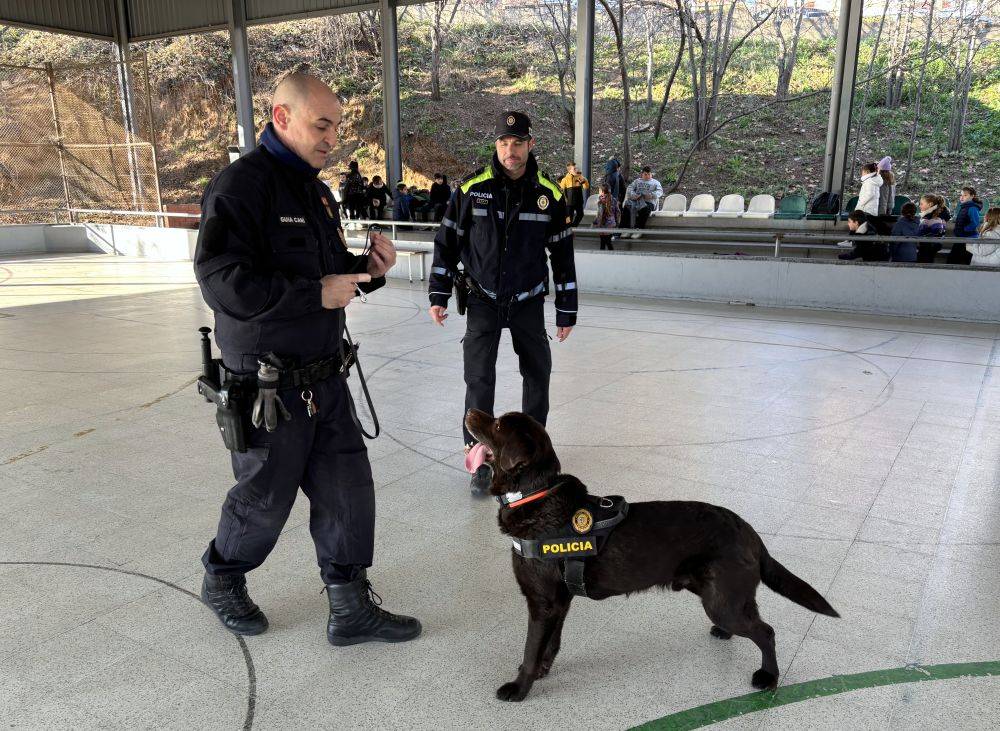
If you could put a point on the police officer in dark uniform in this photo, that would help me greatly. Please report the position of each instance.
(273, 265)
(499, 225)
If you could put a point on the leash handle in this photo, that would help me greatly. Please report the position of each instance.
(364, 388)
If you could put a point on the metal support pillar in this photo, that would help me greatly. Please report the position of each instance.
(125, 86)
(391, 133)
(237, 19)
(583, 117)
(842, 96)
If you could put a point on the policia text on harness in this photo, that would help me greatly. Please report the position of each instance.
(584, 536)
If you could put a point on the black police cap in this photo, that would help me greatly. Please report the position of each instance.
(513, 124)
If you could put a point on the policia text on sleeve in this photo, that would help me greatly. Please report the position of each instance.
(499, 225)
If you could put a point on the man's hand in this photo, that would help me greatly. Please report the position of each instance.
(340, 289)
(563, 332)
(382, 256)
(439, 314)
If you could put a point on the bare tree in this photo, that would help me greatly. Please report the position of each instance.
(973, 30)
(442, 17)
(920, 92)
(555, 28)
(669, 85)
(618, 26)
(711, 45)
(788, 48)
(896, 74)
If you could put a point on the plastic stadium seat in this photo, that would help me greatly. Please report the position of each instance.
(761, 206)
(674, 205)
(852, 203)
(731, 206)
(897, 206)
(591, 205)
(792, 206)
(702, 206)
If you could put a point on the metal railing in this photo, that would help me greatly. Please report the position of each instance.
(774, 240)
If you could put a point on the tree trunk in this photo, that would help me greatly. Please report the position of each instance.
(616, 25)
(670, 83)
(649, 63)
(786, 64)
(920, 91)
(436, 63)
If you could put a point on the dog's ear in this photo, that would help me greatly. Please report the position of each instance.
(512, 459)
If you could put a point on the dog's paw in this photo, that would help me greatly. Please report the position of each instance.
(763, 680)
(543, 669)
(720, 633)
(511, 692)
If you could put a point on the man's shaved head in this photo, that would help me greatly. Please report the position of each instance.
(296, 87)
(306, 113)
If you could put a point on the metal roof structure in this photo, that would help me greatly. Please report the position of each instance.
(148, 19)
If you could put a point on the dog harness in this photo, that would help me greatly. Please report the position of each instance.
(586, 534)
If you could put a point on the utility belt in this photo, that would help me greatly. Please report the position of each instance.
(307, 375)
(246, 400)
(466, 285)
(585, 536)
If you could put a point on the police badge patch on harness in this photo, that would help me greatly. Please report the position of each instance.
(592, 524)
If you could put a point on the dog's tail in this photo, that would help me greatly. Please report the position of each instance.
(777, 578)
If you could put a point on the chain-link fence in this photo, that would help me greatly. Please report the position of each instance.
(71, 140)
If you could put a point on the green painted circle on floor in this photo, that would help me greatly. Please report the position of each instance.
(710, 713)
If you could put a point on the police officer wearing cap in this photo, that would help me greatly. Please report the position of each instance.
(499, 225)
(273, 265)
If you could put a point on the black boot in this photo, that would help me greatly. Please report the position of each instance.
(481, 481)
(356, 617)
(227, 597)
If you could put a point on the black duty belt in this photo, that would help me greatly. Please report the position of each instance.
(307, 375)
(585, 536)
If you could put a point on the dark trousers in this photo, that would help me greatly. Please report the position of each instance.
(639, 215)
(926, 251)
(959, 255)
(357, 206)
(484, 323)
(606, 243)
(577, 212)
(324, 455)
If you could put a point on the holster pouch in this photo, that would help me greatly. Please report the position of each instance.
(232, 411)
(461, 293)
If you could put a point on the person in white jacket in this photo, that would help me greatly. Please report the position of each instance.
(986, 252)
(871, 184)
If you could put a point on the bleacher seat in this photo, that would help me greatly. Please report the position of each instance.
(852, 203)
(897, 206)
(792, 206)
(761, 206)
(591, 205)
(702, 206)
(731, 206)
(674, 205)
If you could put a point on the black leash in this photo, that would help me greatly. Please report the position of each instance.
(364, 388)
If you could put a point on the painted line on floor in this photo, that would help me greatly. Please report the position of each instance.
(724, 710)
(247, 659)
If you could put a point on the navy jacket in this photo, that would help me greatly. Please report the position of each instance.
(499, 230)
(905, 251)
(967, 219)
(269, 232)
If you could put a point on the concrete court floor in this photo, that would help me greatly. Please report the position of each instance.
(864, 450)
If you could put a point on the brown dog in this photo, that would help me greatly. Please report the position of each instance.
(706, 549)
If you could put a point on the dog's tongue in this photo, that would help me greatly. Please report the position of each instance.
(476, 457)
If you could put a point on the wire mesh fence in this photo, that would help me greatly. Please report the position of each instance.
(71, 138)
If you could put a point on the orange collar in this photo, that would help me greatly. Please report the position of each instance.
(516, 499)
